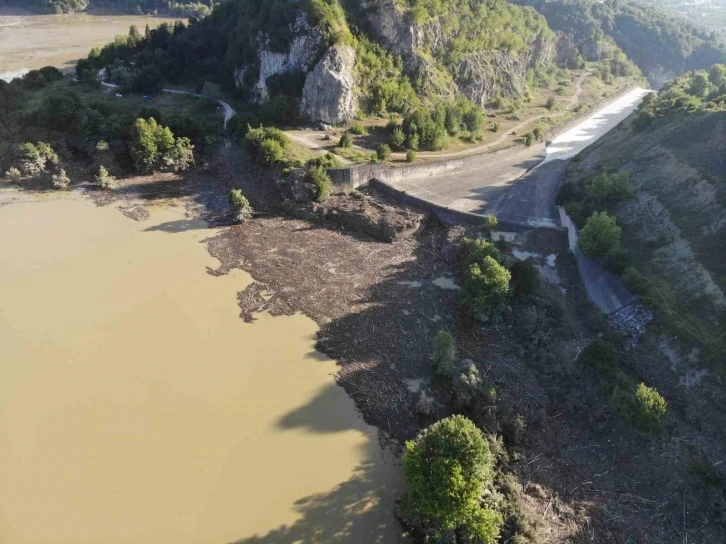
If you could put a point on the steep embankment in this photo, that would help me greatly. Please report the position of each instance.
(674, 151)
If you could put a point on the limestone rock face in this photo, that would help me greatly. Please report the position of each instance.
(481, 75)
(300, 57)
(329, 94)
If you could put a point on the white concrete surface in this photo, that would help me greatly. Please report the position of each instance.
(573, 141)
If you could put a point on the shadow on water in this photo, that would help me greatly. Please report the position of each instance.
(182, 225)
(359, 510)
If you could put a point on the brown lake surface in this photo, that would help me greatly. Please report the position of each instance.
(29, 42)
(137, 407)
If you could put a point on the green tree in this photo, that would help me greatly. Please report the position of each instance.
(240, 205)
(60, 181)
(699, 85)
(611, 188)
(270, 153)
(398, 138)
(410, 156)
(383, 152)
(550, 103)
(474, 120)
(599, 235)
(485, 287)
(104, 179)
(445, 354)
(717, 74)
(346, 141)
(153, 147)
(447, 469)
(650, 407)
(144, 150)
(318, 176)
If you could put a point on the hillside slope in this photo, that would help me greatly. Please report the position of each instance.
(339, 57)
(662, 45)
(674, 150)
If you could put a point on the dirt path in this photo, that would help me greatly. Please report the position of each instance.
(228, 110)
(311, 140)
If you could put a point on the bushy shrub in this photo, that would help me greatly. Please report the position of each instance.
(240, 205)
(104, 179)
(398, 138)
(490, 222)
(270, 153)
(600, 234)
(485, 287)
(446, 468)
(610, 188)
(410, 156)
(266, 144)
(14, 175)
(643, 406)
(650, 406)
(357, 129)
(474, 251)
(467, 384)
(318, 176)
(238, 200)
(33, 158)
(60, 181)
(346, 141)
(445, 355)
(383, 152)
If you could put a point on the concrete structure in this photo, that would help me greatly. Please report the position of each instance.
(518, 184)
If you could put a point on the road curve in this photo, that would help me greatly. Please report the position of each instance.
(228, 110)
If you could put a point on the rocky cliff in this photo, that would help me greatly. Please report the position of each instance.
(330, 93)
(480, 74)
(331, 73)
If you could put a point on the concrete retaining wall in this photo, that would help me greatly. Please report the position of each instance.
(347, 179)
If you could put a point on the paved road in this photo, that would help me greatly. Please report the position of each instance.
(523, 192)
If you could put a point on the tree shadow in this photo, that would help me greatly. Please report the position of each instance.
(180, 225)
(360, 509)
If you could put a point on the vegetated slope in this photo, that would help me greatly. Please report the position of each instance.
(661, 44)
(340, 57)
(181, 8)
(674, 150)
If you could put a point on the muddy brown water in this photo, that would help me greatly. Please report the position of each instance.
(29, 42)
(136, 407)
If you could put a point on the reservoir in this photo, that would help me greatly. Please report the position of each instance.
(137, 407)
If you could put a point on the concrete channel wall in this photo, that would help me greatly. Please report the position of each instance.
(607, 291)
(346, 179)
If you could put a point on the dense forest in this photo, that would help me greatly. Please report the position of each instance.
(181, 8)
(661, 44)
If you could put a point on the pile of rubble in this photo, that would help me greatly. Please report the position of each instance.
(632, 321)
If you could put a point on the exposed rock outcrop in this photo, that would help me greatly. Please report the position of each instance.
(481, 74)
(300, 57)
(329, 94)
